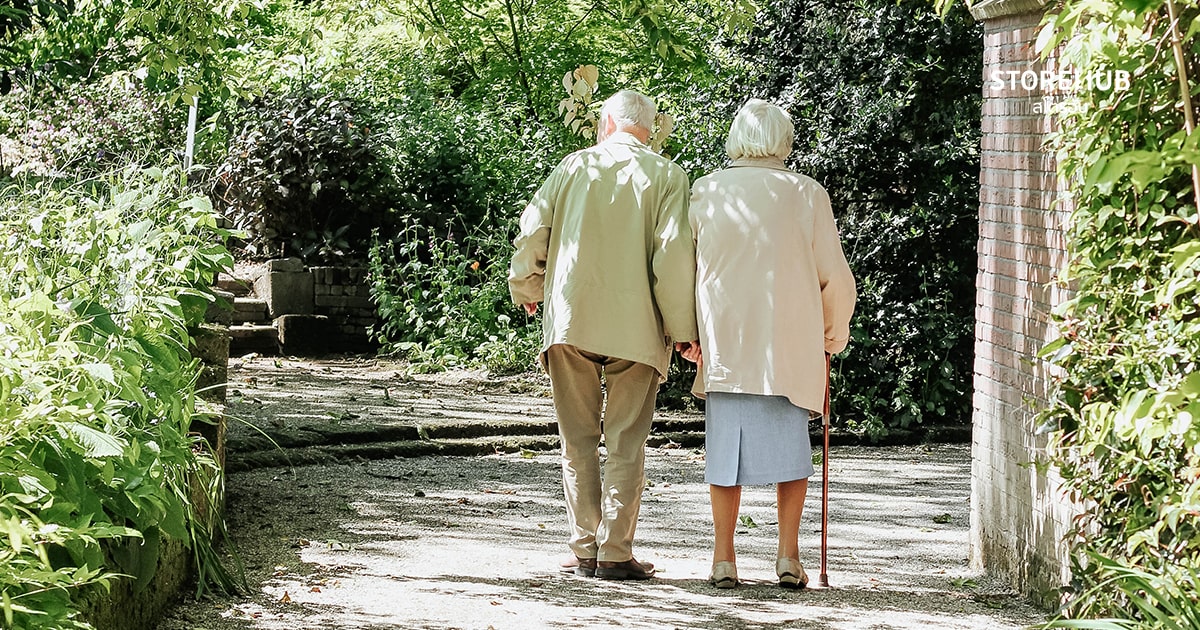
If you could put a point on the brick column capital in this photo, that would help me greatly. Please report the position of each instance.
(991, 9)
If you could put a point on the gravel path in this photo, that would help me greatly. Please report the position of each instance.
(474, 542)
(444, 542)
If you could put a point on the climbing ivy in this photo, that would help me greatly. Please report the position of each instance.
(1124, 413)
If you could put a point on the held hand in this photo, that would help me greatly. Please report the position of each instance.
(690, 351)
(530, 307)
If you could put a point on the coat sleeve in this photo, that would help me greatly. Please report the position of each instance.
(674, 261)
(836, 280)
(527, 272)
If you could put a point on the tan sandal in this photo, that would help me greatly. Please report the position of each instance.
(724, 575)
(791, 573)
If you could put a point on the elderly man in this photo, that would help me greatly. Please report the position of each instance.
(606, 244)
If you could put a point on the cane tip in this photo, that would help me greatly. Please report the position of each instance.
(823, 580)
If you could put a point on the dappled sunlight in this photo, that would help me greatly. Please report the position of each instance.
(475, 543)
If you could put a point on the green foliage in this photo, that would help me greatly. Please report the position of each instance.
(85, 129)
(97, 459)
(514, 50)
(18, 17)
(298, 175)
(179, 48)
(436, 160)
(186, 47)
(1124, 410)
(444, 301)
(1166, 601)
(886, 98)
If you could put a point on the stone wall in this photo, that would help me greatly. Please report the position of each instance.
(299, 310)
(1018, 515)
(342, 295)
(127, 604)
(124, 605)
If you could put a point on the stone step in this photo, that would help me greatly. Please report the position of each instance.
(388, 450)
(355, 443)
(333, 443)
(253, 338)
(265, 438)
(246, 309)
(248, 331)
(239, 287)
(220, 311)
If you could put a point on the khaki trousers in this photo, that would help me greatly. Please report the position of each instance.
(602, 512)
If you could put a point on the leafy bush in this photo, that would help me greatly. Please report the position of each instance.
(444, 301)
(1125, 405)
(435, 163)
(299, 175)
(85, 129)
(886, 97)
(102, 280)
(1156, 600)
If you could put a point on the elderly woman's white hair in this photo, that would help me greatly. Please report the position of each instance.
(760, 130)
(629, 109)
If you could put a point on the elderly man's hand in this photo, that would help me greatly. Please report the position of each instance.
(690, 351)
(530, 307)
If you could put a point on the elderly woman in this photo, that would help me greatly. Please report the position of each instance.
(774, 297)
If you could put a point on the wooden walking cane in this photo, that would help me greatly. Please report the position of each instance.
(823, 580)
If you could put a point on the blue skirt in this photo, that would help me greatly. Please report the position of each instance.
(751, 439)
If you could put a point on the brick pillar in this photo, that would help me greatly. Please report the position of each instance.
(1018, 515)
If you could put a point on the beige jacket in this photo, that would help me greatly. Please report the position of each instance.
(605, 242)
(773, 290)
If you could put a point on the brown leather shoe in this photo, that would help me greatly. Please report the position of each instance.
(583, 567)
(629, 570)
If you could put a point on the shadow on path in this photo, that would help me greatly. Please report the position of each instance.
(474, 542)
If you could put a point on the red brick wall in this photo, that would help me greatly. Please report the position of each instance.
(1017, 514)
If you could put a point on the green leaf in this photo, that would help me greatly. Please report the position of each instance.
(8, 608)
(101, 371)
(1051, 348)
(1047, 39)
(138, 231)
(203, 204)
(96, 443)
(1191, 386)
(1185, 255)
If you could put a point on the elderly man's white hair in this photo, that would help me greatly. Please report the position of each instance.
(760, 130)
(629, 109)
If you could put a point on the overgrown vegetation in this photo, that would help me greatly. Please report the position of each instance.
(297, 176)
(452, 304)
(325, 122)
(886, 97)
(98, 458)
(886, 100)
(82, 130)
(1124, 413)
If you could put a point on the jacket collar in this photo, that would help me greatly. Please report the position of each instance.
(761, 162)
(624, 137)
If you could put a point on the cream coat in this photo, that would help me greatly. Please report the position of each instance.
(773, 290)
(605, 242)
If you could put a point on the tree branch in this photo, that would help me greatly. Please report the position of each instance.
(567, 37)
(521, 76)
(1189, 121)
